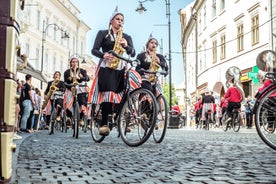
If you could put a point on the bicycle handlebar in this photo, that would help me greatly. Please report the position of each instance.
(271, 76)
(163, 72)
(132, 62)
(72, 84)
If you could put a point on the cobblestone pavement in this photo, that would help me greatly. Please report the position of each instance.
(186, 155)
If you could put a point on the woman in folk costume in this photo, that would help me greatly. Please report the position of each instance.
(59, 89)
(150, 60)
(79, 75)
(107, 87)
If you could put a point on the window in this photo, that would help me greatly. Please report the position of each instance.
(240, 38)
(222, 5)
(55, 33)
(46, 23)
(214, 8)
(222, 47)
(38, 20)
(204, 17)
(46, 60)
(54, 65)
(214, 50)
(37, 56)
(255, 30)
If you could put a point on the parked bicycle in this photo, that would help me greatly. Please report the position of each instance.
(162, 109)
(134, 117)
(234, 122)
(265, 103)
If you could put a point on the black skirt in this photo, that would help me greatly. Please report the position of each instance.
(111, 80)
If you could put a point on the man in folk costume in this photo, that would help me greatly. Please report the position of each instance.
(108, 86)
(78, 75)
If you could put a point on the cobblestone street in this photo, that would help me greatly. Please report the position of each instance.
(186, 155)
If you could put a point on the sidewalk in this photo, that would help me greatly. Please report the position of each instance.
(15, 154)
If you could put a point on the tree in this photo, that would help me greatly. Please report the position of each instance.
(166, 93)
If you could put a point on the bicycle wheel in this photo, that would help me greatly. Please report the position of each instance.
(95, 124)
(265, 118)
(236, 122)
(137, 117)
(224, 124)
(63, 121)
(84, 119)
(52, 121)
(76, 119)
(161, 120)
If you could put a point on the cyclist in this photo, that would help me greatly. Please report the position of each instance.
(146, 60)
(233, 97)
(198, 109)
(207, 105)
(108, 85)
(79, 75)
(59, 90)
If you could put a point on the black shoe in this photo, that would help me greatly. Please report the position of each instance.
(51, 133)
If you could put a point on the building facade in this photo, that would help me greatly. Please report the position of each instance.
(51, 32)
(218, 34)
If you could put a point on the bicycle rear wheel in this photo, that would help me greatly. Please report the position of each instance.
(265, 118)
(161, 120)
(95, 124)
(236, 122)
(137, 117)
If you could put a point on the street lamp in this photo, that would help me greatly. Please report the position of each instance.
(44, 29)
(140, 9)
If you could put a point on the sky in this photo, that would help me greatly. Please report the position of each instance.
(96, 14)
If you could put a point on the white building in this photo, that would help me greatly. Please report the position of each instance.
(218, 34)
(50, 33)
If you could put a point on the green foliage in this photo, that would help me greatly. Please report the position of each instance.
(166, 93)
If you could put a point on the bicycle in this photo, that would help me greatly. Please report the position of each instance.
(265, 103)
(265, 112)
(77, 89)
(235, 121)
(134, 117)
(162, 109)
(54, 123)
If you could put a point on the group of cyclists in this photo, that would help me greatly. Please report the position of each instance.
(108, 84)
(206, 105)
(62, 95)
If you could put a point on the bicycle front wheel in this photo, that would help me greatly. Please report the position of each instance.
(161, 120)
(95, 124)
(265, 118)
(137, 117)
(52, 121)
(76, 119)
(224, 124)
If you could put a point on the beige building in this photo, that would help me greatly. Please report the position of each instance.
(50, 33)
(218, 34)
